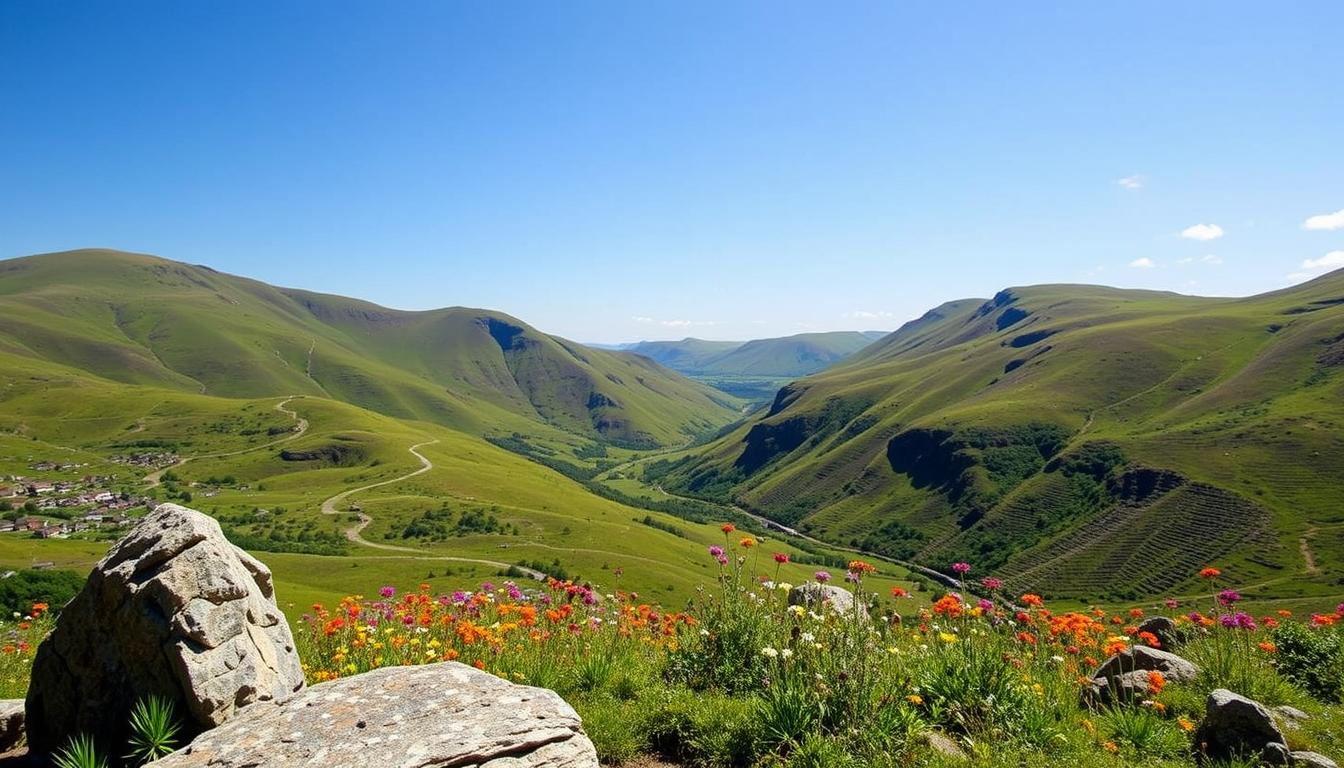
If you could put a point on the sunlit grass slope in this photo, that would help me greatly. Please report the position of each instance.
(143, 320)
(1089, 442)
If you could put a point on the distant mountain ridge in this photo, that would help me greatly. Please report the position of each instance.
(1085, 441)
(143, 320)
(788, 356)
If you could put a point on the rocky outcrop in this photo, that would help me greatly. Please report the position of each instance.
(11, 723)
(816, 596)
(173, 610)
(1234, 725)
(445, 714)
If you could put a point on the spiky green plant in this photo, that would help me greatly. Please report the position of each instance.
(153, 730)
(79, 752)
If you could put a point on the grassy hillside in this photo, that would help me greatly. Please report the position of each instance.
(1091, 443)
(143, 320)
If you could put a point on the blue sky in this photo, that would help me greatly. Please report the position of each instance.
(617, 171)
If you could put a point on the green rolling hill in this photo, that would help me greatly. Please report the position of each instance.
(292, 416)
(148, 321)
(1086, 442)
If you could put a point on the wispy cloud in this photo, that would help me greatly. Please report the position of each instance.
(1202, 232)
(1207, 258)
(1143, 263)
(1131, 182)
(1325, 221)
(863, 314)
(646, 320)
(1314, 267)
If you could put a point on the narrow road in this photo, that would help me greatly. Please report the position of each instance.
(300, 427)
(355, 532)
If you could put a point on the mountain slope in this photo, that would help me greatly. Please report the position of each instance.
(1085, 441)
(789, 356)
(144, 320)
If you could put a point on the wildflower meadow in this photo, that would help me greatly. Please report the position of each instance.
(743, 677)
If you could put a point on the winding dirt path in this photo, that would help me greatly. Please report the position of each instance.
(355, 533)
(1304, 546)
(300, 427)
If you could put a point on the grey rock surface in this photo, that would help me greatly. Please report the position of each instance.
(1312, 760)
(816, 596)
(1234, 724)
(11, 723)
(1141, 658)
(173, 610)
(445, 714)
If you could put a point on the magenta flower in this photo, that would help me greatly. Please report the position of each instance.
(514, 592)
(961, 569)
(723, 559)
(1228, 597)
(1340, 609)
(985, 605)
(991, 583)
(1237, 620)
(487, 586)
(387, 591)
(716, 552)
(1171, 603)
(822, 577)
(459, 597)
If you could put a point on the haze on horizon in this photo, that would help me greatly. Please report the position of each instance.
(611, 173)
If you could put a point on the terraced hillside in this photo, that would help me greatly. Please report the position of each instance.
(1088, 442)
(148, 321)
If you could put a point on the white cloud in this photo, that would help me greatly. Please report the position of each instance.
(863, 314)
(1331, 260)
(1209, 258)
(1131, 182)
(1202, 232)
(1325, 221)
(642, 319)
(1186, 260)
(1314, 267)
(1143, 263)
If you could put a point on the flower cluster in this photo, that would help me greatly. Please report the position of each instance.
(515, 632)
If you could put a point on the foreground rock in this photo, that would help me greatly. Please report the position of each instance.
(173, 610)
(445, 714)
(11, 723)
(1141, 658)
(1234, 725)
(1124, 676)
(816, 596)
(1163, 628)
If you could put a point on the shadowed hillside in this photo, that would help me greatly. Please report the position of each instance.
(1090, 442)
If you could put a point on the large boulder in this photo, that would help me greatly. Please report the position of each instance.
(816, 596)
(173, 610)
(1235, 725)
(445, 714)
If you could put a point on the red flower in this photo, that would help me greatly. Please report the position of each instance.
(781, 558)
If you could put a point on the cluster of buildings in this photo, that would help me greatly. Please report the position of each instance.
(147, 460)
(80, 504)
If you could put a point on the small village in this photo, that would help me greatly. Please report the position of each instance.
(47, 508)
